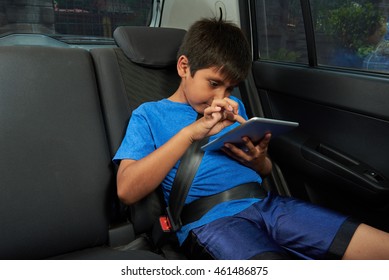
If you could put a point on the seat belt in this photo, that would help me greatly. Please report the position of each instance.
(186, 172)
(196, 209)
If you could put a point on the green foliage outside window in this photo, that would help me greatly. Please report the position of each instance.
(356, 26)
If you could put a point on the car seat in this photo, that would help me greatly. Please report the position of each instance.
(142, 68)
(55, 167)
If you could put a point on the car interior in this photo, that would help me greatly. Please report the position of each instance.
(64, 111)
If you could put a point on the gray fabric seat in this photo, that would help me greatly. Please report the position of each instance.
(56, 177)
(142, 68)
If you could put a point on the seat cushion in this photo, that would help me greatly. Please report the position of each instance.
(105, 253)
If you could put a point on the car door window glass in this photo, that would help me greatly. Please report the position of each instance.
(80, 18)
(280, 28)
(352, 33)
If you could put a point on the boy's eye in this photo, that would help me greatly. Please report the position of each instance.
(213, 83)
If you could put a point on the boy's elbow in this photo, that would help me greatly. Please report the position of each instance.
(125, 191)
(125, 195)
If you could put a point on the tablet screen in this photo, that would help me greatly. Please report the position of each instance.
(255, 128)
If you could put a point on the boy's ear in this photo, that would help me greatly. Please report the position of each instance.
(183, 66)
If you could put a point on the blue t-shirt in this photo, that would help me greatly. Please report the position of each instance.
(153, 123)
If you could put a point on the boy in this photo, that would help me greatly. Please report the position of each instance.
(212, 60)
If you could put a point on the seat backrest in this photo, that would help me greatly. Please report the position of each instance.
(55, 170)
(141, 69)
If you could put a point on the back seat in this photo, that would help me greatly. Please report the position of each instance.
(142, 68)
(57, 180)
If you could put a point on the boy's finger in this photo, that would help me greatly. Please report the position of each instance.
(239, 119)
(265, 141)
(226, 104)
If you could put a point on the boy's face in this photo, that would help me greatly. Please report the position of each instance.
(206, 85)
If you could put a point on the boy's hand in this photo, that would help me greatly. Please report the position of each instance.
(220, 114)
(253, 156)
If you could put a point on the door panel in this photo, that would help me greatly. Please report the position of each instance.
(338, 157)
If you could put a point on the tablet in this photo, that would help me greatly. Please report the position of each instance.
(255, 128)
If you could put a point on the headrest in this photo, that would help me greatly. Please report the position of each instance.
(149, 46)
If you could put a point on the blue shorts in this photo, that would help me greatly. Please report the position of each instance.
(276, 224)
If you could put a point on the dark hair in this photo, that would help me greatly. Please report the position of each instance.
(217, 43)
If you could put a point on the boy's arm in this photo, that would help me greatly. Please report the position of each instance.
(138, 178)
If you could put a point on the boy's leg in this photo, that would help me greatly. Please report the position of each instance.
(368, 243)
(308, 230)
(196, 251)
(232, 238)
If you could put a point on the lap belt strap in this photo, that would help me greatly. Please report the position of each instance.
(196, 209)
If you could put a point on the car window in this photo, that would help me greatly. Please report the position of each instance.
(73, 20)
(352, 34)
(280, 29)
(349, 34)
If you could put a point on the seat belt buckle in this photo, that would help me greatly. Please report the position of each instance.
(162, 231)
(167, 222)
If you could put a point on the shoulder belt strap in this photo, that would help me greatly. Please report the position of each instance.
(186, 172)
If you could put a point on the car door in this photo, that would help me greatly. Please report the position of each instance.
(303, 71)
